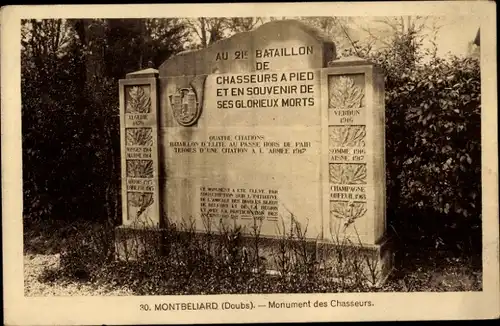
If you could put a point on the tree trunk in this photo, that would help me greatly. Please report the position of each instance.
(203, 30)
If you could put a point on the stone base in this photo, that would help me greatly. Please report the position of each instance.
(371, 262)
(347, 260)
(134, 242)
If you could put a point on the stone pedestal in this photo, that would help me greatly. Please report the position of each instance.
(370, 263)
(354, 165)
(139, 152)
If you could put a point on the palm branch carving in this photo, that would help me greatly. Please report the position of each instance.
(344, 94)
(138, 100)
(351, 173)
(139, 137)
(347, 136)
(347, 210)
(140, 199)
(140, 168)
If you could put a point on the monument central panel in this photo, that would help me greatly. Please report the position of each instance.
(258, 136)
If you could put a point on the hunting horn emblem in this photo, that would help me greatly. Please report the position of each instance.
(185, 106)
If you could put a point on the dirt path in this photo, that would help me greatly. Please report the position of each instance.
(34, 266)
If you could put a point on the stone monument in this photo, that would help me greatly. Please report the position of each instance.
(263, 126)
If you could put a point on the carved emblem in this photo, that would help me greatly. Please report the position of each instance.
(347, 136)
(347, 211)
(351, 173)
(142, 200)
(139, 137)
(138, 100)
(345, 95)
(185, 106)
(140, 168)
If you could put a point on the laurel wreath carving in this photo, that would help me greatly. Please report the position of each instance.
(348, 211)
(344, 94)
(350, 173)
(347, 136)
(139, 137)
(138, 101)
(140, 168)
(140, 199)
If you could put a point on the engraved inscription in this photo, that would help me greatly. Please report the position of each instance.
(239, 203)
(134, 152)
(243, 144)
(348, 192)
(268, 90)
(140, 185)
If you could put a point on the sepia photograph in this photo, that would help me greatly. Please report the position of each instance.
(200, 158)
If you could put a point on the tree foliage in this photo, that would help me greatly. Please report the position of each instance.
(70, 109)
(208, 30)
(433, 141)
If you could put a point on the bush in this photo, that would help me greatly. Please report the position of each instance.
(70, 109)
(440, 169)
(433, 144)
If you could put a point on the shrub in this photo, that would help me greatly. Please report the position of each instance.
(434, 147)
(433, 143)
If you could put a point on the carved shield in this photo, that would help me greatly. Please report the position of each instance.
(185, 106)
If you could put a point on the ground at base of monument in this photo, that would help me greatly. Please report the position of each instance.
(416, 269)
(370, 264)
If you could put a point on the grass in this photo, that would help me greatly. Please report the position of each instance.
(64, 259)
(437, 270)
(39, 283)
